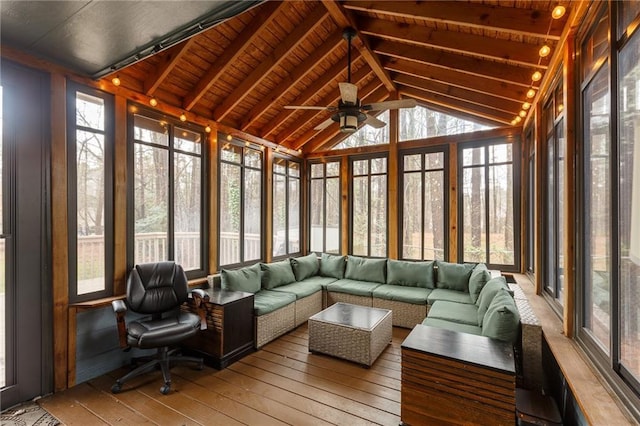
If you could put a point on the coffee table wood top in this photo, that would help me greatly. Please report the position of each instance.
(354, 316)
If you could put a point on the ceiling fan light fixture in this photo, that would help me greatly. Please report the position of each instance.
(348, 123)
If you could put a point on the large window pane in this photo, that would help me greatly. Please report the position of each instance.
(324, 207)
(286, 207)
(187, 210)
(294, 215)
(332, 211)
(230, 190)
(279, 214)
(598, 208)
(501, 215)
(252, 214)
(378, 216)
(474, 219)
(360, 231)
(369, 207)
(420, 123)
(412, 215)
(316, 209)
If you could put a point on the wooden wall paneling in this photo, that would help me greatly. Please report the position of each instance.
(453, 203)
(59, 230)
(345, 178)
(570, 162)
(268, 193)
(393, 197)
(120, 198)
(213, 199)
(71, 347)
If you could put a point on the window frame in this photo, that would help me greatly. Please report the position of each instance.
(135, 109)
(310, 180)
(287, 180)
(72, 220)
(444, 149)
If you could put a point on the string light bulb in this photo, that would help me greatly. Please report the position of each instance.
(513, 122)
(153, 102)
(207, 129)
(536, 76)
(229, 137)
(558, 12)
(531, 93)
(518, 119)
(526, 106)
(544, 51)
(300, 151)
(116, 81)
(522, 113)
(183, 117)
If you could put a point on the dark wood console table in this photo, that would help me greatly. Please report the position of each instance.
(229, 334)
(456, 378)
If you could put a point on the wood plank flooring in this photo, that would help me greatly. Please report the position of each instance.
(280, 384)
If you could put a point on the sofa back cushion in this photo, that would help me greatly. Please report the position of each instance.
(487, 294)
(410, 274)
(305, 266)
(276, 274)
(454, 276)
(361, 269)
(479, 277)
(332, 266)
(245, 279)
(502, 320)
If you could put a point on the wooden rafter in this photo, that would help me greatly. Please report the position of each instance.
(527, 22)
(329, 76)
(465, 81)
(296, 75)
(232, 52)
(168, 61)
(372, 92)
(331, 99)
(344, 19)
(504, 105)
(454, 61)
(471, 44)
(285, 47)
(457, 105)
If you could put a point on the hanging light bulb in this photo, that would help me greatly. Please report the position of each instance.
(544, 51)
(526, 106)
(522, 114)
(153, 102)
(558, 12)
(536, 76)
(207, 129)
(513, 122)
(116, 81)
(183, 117)
(531, 93)
(229, 137)
(518, 119)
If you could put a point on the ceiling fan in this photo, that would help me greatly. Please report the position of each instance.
(349, 112)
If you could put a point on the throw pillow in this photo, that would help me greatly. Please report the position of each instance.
(245, 279)
(502, 319)
(454, 276)
(332, 266)
(487, 294)
(479, 277)
(412, 274)
(276, 274)
(305, 266)
(361, 269)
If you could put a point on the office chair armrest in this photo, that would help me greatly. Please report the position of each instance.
(199, 298)
(120, 309)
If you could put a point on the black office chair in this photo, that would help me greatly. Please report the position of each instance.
(158, 289)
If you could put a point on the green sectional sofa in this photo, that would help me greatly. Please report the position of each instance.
(460, 297)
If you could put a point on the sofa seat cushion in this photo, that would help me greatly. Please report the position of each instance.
(276, 274)
(361, 269)
(321, 281)
(502, 320)
(357, 288)
(454, 326)
(244, 279)
(267, 301)
(462, 313)
(301, 289)
(412, 274)
(449, 295)
(305, 266)
(454, 276)
(401, 293)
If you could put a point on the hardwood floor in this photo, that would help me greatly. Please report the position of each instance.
(280, 384)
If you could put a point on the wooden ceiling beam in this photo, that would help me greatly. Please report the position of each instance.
(297, 74)
(312, 21)
(457, 105)
(454, 61)
(327, 77)
(168, 61)
(459, 79)
(313, 140)
(345, 19)
(526, 22)
(263, 18)
(476, 45)
(331, 99)
(508, 106)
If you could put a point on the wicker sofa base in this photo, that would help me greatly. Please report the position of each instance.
(274, 324)
(405, 315)
(335, 297)
(307, 306)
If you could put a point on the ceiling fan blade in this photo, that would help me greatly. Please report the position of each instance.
(326, 123)
(319, 108)
(379, 106)
(374, 122)
(348, 93)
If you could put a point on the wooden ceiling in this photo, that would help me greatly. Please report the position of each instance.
(473, 59)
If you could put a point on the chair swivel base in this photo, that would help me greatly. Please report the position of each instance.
(163, 358)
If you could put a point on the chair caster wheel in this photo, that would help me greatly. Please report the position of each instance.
(116, 388)
(165, 389)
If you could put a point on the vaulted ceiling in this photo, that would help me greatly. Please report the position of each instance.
(473, 59)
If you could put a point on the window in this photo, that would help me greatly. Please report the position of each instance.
(421, 123)
(486, 203)
(367, 135)
(286, 207)
(168, 202)
(369, 207)
(90, 150)
(531, 200)
(240, 203)
(555, 194)
(324, 207)
(424, 198)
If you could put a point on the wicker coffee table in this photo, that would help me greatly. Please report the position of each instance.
(352, 332)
